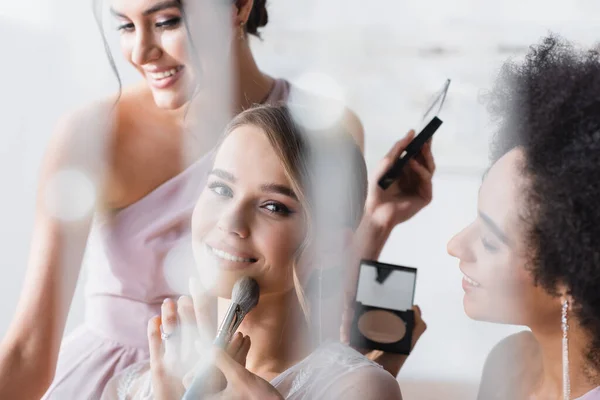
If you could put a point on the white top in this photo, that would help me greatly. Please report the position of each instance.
(332, 371)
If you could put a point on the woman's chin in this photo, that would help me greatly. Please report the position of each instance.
(473, 309)
(486, 311)
(168, 100)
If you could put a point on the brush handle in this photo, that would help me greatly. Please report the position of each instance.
(233, 318)
(198, 385)
(195, 389)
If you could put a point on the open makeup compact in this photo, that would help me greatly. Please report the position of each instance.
(383, 318)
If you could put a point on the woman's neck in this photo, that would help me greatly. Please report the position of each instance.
(223, 96)
(279, 334)
(549, 337)
(251, 86)
(202, 120)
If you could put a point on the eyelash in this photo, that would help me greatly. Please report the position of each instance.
(284, 211)
(280, 209)
(488, 246)
(166, 24)
(216, 186)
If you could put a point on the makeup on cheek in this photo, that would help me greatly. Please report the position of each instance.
(384, 319)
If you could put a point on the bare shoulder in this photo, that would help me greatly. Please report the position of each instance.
(96, 125)
(105, 110)
(82, 133)
(349, 121)
(94, 112)
(522, 343)
(380, 383)
(353, 125)
(512, 366)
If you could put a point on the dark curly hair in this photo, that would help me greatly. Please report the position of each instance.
(258, 17)
(549, 105)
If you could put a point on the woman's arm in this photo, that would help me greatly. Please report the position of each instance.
(385, 209)
(29, 350)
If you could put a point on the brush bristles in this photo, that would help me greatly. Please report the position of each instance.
(245, 292)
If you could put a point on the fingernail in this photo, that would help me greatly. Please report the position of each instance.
(165, 301)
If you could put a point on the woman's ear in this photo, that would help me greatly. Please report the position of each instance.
(563, 293)
(242, 11)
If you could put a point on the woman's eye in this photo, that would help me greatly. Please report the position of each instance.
(128, 27)
(169, 23)
(488, 246)
(277, 208)
(221, 189)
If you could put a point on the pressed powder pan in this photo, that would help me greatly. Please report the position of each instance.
(382, 326)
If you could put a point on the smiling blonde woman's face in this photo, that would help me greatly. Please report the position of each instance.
(248, 220)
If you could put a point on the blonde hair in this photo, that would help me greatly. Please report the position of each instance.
(309, 159)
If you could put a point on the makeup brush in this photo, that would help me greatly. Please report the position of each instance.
(244, 297)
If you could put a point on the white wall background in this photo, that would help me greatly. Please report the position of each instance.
(388, 55)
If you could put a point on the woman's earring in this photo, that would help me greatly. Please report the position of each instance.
(242, 31)
(565, 350)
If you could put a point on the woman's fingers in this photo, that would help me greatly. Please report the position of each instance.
(424, 188)
(233, 371)
(420, 325)
(157, 366)
(188, 332)
(242, 352)
(154, 340)
(235, 344)
(205, 308)
(393, 154)
(169, 316)
(169, 330)
(428, 157)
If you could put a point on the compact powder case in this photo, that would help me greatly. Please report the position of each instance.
(383, 317)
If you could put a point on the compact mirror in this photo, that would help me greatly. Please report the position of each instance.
(383, 318)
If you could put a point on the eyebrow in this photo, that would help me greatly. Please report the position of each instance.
(267, 188)
(219, 173)
(163, 5)
(494, 228)
(280, 189)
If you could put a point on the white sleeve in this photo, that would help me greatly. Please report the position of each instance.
(368, 383)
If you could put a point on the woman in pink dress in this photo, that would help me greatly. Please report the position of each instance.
(147, 154)
(532, 257)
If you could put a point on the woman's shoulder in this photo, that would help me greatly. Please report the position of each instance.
(81, 136)
(105, 110)
(371, 383)
(511, 367)
(348, 119)
(357, 376)
(522, 343)
(99, 121)
(97, 112)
